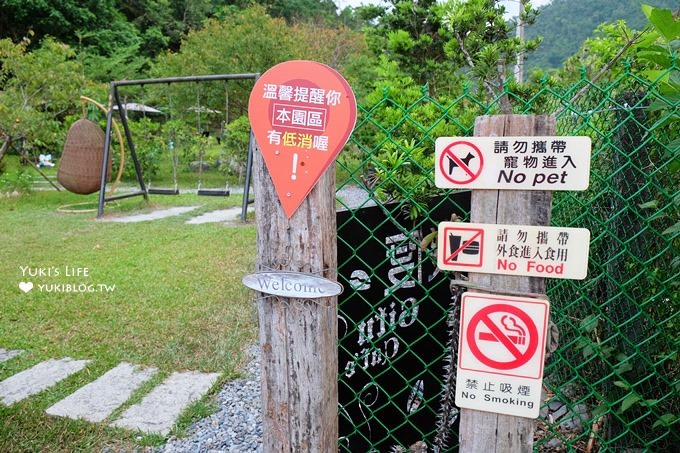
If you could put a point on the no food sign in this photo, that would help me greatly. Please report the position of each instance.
(535, 251)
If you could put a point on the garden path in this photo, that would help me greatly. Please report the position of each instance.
(227, 216)
(98, 400)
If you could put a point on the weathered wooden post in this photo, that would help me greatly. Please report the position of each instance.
(482, 432)
(298, 337)
(512, 164)
(302, 114)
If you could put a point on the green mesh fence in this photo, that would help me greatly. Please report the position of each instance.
(612, 383)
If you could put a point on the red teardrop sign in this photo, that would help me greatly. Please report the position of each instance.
(302, 114)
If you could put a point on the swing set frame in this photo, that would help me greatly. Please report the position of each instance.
(114, 97)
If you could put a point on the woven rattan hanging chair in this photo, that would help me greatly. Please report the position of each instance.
(81, 163)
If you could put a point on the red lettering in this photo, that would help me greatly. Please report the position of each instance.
(505, 265)
(545, 268)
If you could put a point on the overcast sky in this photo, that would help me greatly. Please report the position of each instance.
(512, 6)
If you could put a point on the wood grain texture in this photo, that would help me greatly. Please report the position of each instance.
(298, 337)
(485, 432)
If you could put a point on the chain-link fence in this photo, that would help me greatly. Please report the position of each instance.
(612, 382)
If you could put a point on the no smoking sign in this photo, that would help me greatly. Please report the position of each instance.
(501, 353)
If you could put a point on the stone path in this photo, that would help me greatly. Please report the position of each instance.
(154, 215)
(95, 402)
(5, 355)
(34, 380)
(157, 412)
(351, 196)
(221, 215)
(230, 216)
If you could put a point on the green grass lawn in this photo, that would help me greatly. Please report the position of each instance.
(178, 304)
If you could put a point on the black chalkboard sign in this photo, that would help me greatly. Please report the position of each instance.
(392, 326)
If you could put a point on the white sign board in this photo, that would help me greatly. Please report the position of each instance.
(515, 163)
(535, 251)
(501, 353)
(296, 285)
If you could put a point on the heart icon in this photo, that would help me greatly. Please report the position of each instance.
(302, 114)
(25, 286)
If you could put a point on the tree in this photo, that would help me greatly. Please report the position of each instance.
(302, 10)
(58, 19)
(162, 23)
(251, 41)
(483, 42)
(409, 32)
(109, 46)
(566, 24)
(38, 90)
(112, 53)
(438, 44)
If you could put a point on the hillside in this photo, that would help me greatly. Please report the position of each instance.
(565, 24)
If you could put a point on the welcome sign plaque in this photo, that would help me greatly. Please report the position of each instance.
(294, 285)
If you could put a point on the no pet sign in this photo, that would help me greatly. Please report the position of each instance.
(515, 163)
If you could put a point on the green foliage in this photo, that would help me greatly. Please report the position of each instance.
(161, 24)
(302, 10)
(113, 55)
(95, 27)
(38, 89)
(596, 52)
(649, 53)
(236, 141)
(566, 24)
(409, 33)
(660, 49)
(248, 41)
(402, 111)
(19, 181)
(483, 42)
(149, 146)
(57, 19)
(399, 167)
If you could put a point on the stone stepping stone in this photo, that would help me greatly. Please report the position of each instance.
(5, 354)
(158, 411)
(97, 400)
(155, 215)
(38, 378)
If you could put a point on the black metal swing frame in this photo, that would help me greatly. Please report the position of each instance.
(143, 191)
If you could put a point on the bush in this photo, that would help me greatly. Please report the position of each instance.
(19, 181)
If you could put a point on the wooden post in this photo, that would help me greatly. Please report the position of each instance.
(298, 337)
(482, 432)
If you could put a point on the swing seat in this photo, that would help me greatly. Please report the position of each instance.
(213, 192)
(163, 191)
(81, 162)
